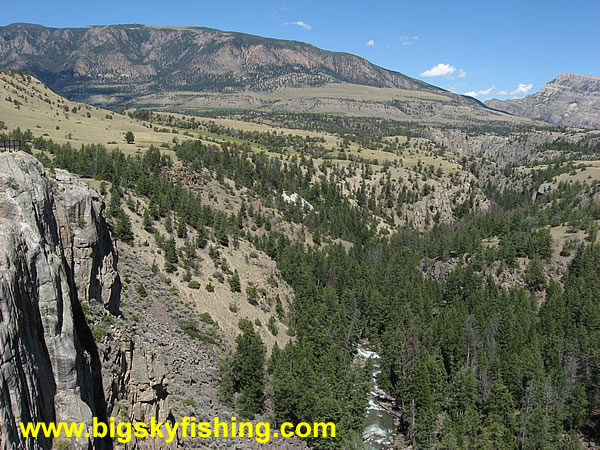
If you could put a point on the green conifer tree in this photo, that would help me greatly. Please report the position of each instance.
(171, 258)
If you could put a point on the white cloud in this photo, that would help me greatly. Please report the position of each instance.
(481, 92)
(370, 43)
(522, 89)
(444, 70)
(439, 71)
(407, 41)
(300, 24)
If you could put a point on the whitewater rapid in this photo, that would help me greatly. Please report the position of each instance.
(379, 424)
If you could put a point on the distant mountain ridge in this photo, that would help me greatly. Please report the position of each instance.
(570, 100)
(185, 58)
(181, 67)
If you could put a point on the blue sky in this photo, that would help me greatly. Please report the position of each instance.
(489, 49)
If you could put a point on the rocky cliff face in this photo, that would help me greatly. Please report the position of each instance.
(570, 99)
(521, 146)
(87, 243)
(51, 254)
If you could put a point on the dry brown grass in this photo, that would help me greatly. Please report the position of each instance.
(53, 122)
(590, 174)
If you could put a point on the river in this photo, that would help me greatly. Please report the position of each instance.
(379, 429)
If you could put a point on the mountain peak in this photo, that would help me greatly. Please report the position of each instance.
(570, 99)
(574, 76)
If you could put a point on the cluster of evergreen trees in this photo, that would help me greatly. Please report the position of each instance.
(470, 364)
(244, 373)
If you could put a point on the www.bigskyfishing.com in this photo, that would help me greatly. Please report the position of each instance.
(188, 427)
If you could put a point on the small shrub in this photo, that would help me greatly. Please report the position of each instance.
(244, 324)
(190, 328)
(108, 319)
(141, 291)
(61, 445)
(194, 285)
(272, 326)
(279, 308)
(98, 333)
(206, 318)
(252, 294)
(234, 282)
(210, 288)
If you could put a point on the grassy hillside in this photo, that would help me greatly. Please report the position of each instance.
(29, 104)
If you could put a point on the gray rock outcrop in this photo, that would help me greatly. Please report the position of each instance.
(520, 146)
(87, 242)
(54, 250)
